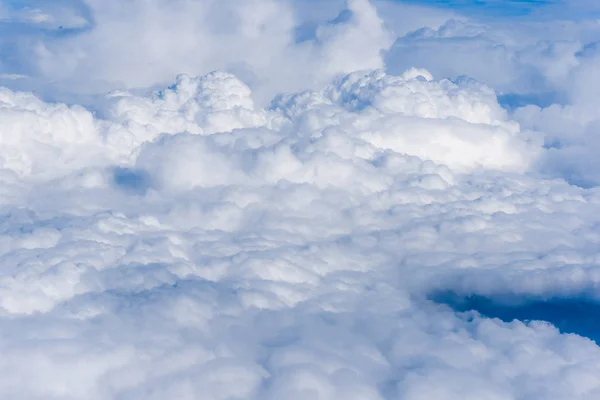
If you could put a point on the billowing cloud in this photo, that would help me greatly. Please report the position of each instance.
(293, 199)
(256, 40)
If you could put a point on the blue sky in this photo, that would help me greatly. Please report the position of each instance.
(489, 7)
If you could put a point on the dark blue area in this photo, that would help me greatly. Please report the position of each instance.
(343, 17)
(572, 176)
(578, 315)
(131, 180)
(487, 7)
(510, 101)
(308, 30)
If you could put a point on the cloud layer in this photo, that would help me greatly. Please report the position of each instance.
(266, 210)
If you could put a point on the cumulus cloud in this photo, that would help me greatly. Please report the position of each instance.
(272, 199)
(283, 251)
(41, 138)
(258, 41)
(543, 67)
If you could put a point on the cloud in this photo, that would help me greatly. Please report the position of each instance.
(542, 67)
(270, 196)
(255, 41)
(41, 138)
(285, 251)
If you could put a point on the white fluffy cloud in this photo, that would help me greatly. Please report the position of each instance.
(256, 40)
(277, 227)
(41, 138)
(283, 252)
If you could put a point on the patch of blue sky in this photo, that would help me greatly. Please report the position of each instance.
(539, 9)
(487, 7)
(577, 315)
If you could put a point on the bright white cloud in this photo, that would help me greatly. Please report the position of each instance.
(273, 223)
